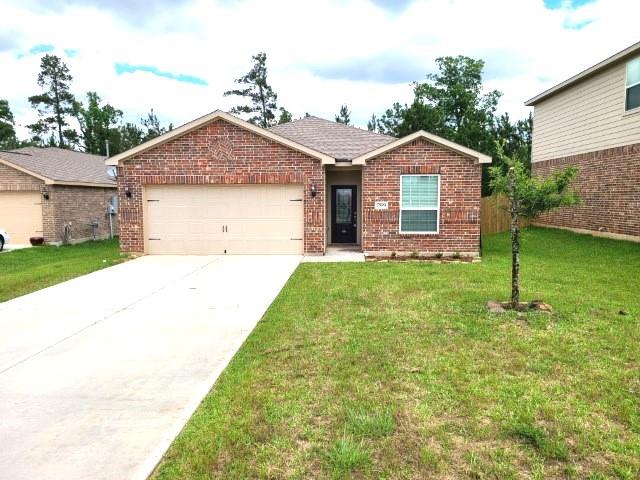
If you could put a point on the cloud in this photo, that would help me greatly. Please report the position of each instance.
(567, 4)
(122, 68)
(8, 40)
(41, 48)
(393, 5)
(384, 68)
(134, 10)
(579, 25)
(321, 54)
(37, 49)
(502, 63)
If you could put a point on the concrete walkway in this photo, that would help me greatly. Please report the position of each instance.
(98, 374)
(335, 253)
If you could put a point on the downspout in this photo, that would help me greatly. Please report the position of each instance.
(109, 207)
(110, 222)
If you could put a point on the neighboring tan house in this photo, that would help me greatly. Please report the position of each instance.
(42, 190)
(592, 120)
(222, 185)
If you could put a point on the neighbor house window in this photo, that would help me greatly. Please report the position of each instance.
(633, 84)
(419, 203)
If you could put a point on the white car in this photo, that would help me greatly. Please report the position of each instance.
(4, 238)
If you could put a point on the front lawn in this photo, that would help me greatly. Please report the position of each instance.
(24, 271)
(396, 370)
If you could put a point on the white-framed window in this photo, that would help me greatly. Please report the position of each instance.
(419, 203)
(632, 90)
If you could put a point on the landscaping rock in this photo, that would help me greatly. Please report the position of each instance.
(540, 306)
(495, 307)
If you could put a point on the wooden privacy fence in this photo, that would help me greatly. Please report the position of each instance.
(494, 216)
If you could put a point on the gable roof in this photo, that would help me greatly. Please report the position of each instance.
(59, 166)
(343, 142)
(467, 152)
(620, 56)
(215, 115)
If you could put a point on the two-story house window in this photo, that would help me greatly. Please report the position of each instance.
(633, 84)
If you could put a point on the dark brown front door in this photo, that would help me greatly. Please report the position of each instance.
(344, 219)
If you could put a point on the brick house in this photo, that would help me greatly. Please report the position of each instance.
(222, 185)
(44, 189)
(592, 121)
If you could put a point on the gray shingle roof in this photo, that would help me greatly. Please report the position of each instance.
(340, 141)
(61, 165)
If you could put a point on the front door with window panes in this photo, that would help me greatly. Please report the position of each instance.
(344, 218)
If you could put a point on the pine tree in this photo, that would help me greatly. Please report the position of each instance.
(154, 129)
(372, 124)
(127, 136)
(98, 124)
(7, 129)
(285, 116)
(262, 99)
(344, 115)
(55, 104)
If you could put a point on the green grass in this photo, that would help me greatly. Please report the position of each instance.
(396, 370)
(370, 423)
(346, 455)
(27, 270)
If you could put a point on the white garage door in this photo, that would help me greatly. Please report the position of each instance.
(232, 219)
(21, 215)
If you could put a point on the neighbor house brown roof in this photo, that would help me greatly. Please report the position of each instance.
(340, 141)
(58, 165)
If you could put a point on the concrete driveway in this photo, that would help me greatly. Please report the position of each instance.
(98, 374)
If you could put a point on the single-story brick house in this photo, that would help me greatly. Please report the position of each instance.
(42, 190)
(222, 185)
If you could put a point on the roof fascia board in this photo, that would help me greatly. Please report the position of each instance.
(10, 164)
(635, 48)
(83, 184)
(51, 181)
(467, 152)
(218, 114)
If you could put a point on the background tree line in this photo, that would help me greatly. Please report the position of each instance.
(98, 124)
(450, 103)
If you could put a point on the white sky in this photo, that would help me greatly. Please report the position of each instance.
(320, 53)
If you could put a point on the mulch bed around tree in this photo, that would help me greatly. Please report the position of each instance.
(533, 306)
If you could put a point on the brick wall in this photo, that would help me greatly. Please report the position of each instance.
(219, 153)
(12, 180)
(80, 206)
(609, 185)
(460, 183)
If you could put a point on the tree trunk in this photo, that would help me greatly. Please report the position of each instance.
(264, 108)
(515, 240)
(57, 111)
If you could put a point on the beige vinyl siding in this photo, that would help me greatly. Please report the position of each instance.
(587, 117)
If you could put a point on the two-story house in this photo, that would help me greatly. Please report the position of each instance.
(592, 121)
